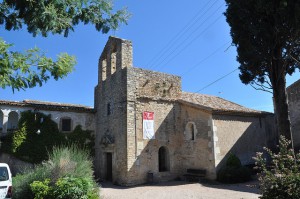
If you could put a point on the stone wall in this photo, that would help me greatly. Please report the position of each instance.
(111, 109)
(197, 153)
(240, 135)
(293, 93)
(158, 93)
(154, 92)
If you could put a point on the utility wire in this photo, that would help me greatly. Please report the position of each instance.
(191, 42)
(217, 80)
(181, 33)
(175, 42)
(204, 59)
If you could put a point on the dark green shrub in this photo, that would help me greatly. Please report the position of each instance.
(233, 161)
(84, 139)
(233, 171)
(26, 144)
(6, 143)
(281, 178)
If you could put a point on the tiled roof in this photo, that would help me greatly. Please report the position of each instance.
(48, 105)
(215, 104)
(295, 84)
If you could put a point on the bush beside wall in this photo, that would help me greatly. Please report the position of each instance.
(29, 146)
(233, 171)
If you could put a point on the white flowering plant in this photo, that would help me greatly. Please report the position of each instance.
(279, 178)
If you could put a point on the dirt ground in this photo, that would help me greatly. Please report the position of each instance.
(181, 190)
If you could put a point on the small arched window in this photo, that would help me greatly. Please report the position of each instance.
(163, 159)
(190, 131)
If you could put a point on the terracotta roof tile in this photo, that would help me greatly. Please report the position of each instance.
(48, 105)
(215, 104)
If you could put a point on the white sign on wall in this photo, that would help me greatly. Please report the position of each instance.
(148, 125)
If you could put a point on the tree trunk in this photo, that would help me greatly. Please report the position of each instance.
(281, 108)
(278, 80)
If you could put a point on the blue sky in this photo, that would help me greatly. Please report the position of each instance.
(190, 39)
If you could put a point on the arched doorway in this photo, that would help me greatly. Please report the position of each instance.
(1, 121)
(12, 123)
(163, 159)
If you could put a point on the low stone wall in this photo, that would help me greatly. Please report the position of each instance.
(16, 165)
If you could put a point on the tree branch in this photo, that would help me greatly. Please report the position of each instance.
(262, 87)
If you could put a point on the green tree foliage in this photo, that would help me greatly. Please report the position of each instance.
(280, 178)
(41, 17)
(31, 68)
(267, 36)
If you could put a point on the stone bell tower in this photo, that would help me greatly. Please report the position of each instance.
(111, 110)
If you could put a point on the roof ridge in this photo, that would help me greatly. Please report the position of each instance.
(293, 84)
(29, 101)
(216, 103)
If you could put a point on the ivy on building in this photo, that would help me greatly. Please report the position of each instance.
(37, 134)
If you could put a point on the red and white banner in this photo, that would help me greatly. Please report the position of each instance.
(148, 125)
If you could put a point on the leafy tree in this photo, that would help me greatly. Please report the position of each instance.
(267, 36)
(26, 70)
(41, 17)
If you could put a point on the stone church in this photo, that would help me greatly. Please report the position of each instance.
(145, 125)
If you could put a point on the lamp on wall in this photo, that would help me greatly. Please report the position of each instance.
(38, 131)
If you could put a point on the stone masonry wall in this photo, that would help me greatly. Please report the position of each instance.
(111, 107)
(293, 93)
(240, 135)
(154, 92)
(197, 153)
(158, 93)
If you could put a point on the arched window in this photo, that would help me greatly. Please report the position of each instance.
(163, 159)
(1, 121)
(12, 123)
(113, 60)
(66, 124)
(190, 131)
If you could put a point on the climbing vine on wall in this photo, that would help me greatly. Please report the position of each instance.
(37, 134)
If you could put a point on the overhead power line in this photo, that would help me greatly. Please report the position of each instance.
(204, 59)
(217, 80)
(181, 32)
(171, 44)
(187, 45)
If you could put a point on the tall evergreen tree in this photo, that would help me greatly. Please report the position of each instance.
(267, 36)
(41, 17)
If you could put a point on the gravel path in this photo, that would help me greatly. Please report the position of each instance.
(181, 190)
